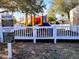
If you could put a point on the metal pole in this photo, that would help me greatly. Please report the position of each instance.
(9, 50)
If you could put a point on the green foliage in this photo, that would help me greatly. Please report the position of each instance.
(52, 20)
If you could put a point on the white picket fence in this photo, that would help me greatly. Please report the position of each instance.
(54, 32)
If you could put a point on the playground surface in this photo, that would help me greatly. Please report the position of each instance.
(28, 50)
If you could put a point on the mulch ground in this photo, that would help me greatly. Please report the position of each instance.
(28, 50)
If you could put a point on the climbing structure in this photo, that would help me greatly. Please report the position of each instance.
(36, 20)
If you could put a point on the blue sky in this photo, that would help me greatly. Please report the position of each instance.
(48, 4)
(19, 15)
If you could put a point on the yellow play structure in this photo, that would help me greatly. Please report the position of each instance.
(33, 20)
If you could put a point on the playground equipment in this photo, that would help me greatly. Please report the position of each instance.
(39, 20)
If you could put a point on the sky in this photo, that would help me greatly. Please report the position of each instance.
(19, 15)
(48, 4)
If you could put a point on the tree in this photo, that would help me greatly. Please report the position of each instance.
(25, 6)
(8, 4)
(51, 16)
(64, 5)
(30, 6)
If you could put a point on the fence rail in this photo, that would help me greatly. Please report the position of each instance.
(54, 32)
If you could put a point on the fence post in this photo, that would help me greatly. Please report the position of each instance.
(55, 34)
(9, 50)
(34, 34)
